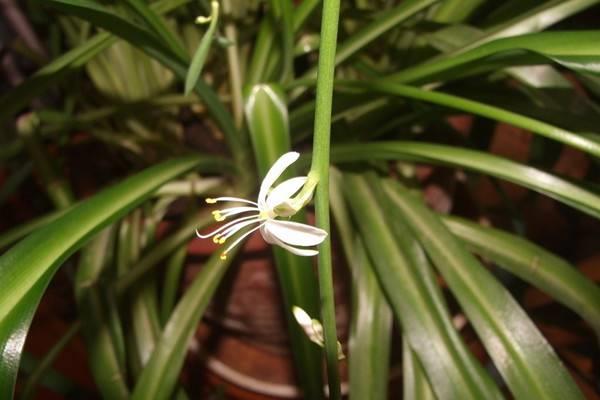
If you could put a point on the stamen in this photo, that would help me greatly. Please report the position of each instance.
(223, 227)
(235, 229)
(232, 199)
(238, 240)
(217, 216)
(228, 212)
(223, 256)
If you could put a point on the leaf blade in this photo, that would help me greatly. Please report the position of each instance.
(523, 357)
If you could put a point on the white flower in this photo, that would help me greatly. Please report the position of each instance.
(272, 203)
(313, 329)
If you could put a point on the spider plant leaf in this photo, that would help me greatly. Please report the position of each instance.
(375, 29)
(268, 122)
(60, 67)
(408, 282)
(201, 53)
(521, 354)
(415, 383)
(100, 16)
(576, 50)
(102, 332)
(283, 13)
(265, 55)
(542, 128)
(455, 11)
(159, 377)
(533, 264)
(532, 178)
(156, 24)
(371, 316)
(536, 19)
(26, 269)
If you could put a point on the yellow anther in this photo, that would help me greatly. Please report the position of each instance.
(216, 238)
(223, 256)
(222, 240)
(211, 201)
(217, 215)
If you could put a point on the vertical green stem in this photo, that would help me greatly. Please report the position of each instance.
(235, 71)
(320, 168)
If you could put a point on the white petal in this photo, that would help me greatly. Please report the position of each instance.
(295, 233)
(275, 172)
(302, 317)
(273, 240)
(284, 191)
(266, 235)
(297, 251)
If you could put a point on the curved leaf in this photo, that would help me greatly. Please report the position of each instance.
(407, 279)
(159, 377)
(26, 269)
(415, 383)
(576, 50)
(103, 337)
(523, 357)
(100, 16)
(201, 53)
(552, 132)
(530, 177)
(533, 264)
(371, 316)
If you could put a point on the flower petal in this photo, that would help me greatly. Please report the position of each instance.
(275, 172)
(273, 240)
(295, 233)
(284, 191)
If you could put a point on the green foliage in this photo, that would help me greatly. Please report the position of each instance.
(376, 101)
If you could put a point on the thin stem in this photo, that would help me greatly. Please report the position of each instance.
(233, 60)
(320, 168)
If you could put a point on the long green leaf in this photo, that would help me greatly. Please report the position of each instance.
(259, 70)
(552, 132)
(371, 316)
(407, 280)
(575, 50)
(415, 383)
(104, 343)
(454, 11)
(153, 20)
(201, 53)
(537, 19)
(26, 269)
(267, 120)
(61, 66)
(366, 35)
(159, 377)
(533, 264)
(146, 41)
(530, 177)
(523, 357)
